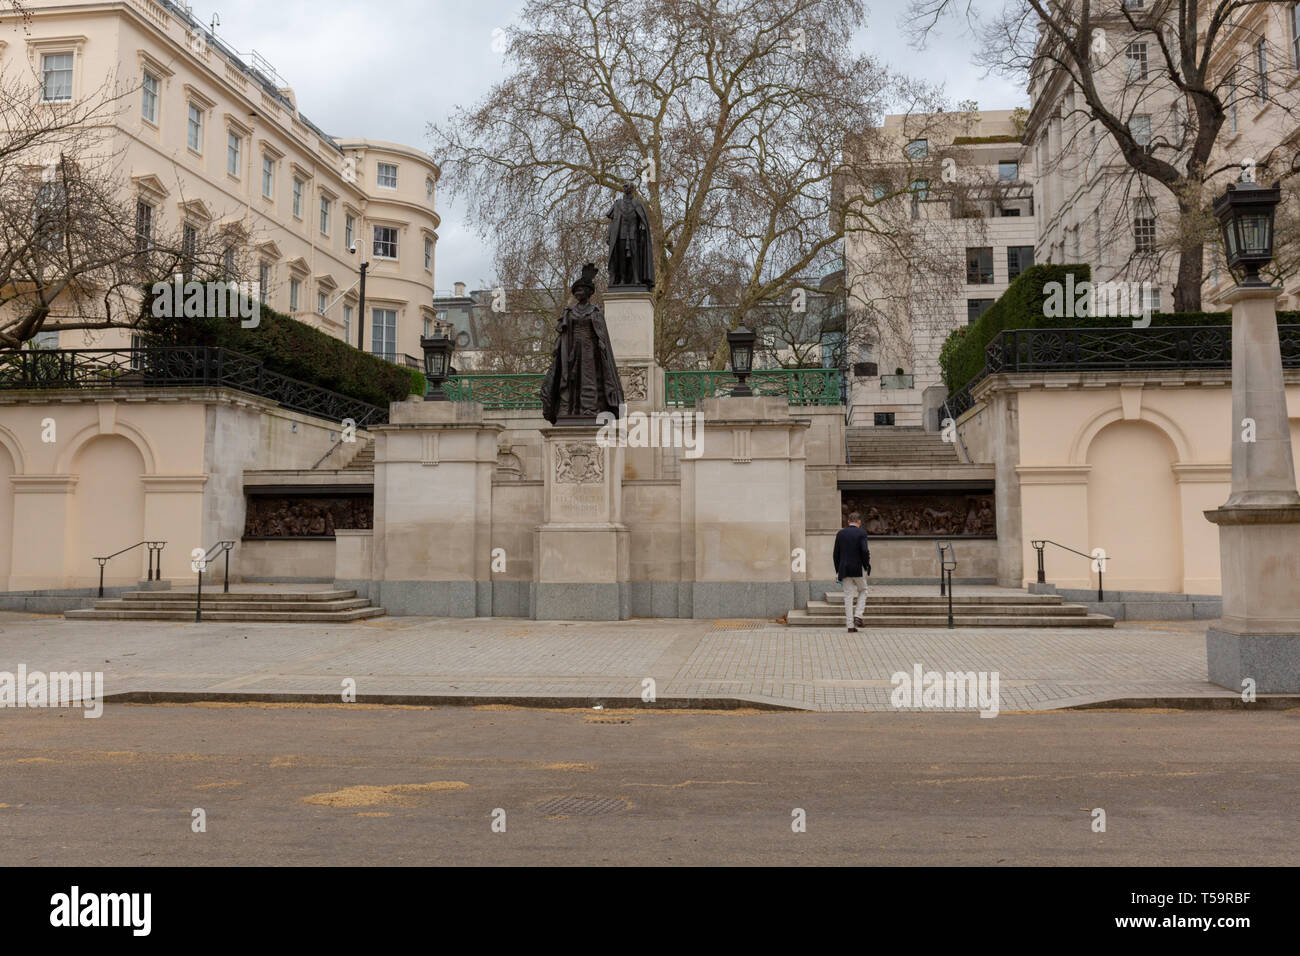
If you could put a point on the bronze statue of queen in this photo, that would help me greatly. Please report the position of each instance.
(583, 380)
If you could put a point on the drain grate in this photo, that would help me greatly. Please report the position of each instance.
(580, 806)
(740, 625)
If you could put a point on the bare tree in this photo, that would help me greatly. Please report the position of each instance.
(1194, 61)
(732, 116)
(72, 254)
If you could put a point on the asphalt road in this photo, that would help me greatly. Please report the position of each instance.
(304, 784)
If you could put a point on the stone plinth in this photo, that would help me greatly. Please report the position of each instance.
(630, 316)
(434, 464)
(744, 498)
(1258, 637)
(581, 557)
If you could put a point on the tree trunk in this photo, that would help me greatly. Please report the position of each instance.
(1187, 290)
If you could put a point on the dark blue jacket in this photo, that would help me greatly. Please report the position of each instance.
(852, 556)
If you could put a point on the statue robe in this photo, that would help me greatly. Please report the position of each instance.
(631, 255)
(582, 364)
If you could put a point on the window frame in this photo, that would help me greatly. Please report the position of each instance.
(1020, 266)
(234, 153)
(977, 271)
(375, 243)
(194, 130)
(145, 93)
(326, 214)
(380, 178)
(46, 73)
(295, 293)
(1261, 70)
(1137, 67)
(375, 328)
(295, 202)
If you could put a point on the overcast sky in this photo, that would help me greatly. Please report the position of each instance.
(385, 72)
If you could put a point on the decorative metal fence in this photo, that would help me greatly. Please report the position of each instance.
(175, 367)
(1069, 350)
(496, 391)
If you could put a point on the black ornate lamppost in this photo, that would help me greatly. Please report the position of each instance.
(1256, 641)
(741, 343)
(1245, 212)
(437, 362)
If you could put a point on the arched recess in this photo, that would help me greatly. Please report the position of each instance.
(1134, 506)
(123, 430)
(10, 465)
(108, 508)
(1088, 431)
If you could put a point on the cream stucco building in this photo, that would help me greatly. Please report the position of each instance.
(209, 141)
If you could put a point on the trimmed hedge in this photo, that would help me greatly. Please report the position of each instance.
(295, 349)
(1022, 306)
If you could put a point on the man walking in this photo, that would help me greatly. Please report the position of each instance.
(852, 559)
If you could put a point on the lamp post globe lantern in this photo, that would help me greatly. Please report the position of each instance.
(741, 343)
(437, 362)
(1245, 212)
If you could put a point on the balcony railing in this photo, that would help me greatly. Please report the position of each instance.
(177, 367)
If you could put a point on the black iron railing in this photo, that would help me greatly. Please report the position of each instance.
(177, 366)
(155, 567)
(947, 564)
(1098, 557)
(199, 564)
(1195, 346)
(1069, 350)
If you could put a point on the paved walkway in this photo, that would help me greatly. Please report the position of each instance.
(746, 661)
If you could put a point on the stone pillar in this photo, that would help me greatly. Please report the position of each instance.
(630, 316)
(743, 511)
(581, 559)
(1259, 525)
(434, 463)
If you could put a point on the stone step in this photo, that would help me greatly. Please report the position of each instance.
(798, 618)
(958, 610)
(216, 594)
(1014, 597)
(288, 617)
(315, 607)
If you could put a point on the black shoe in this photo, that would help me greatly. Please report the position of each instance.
(857, 621)
(853, 630)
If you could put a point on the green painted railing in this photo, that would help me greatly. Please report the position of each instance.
(800, 386)
(496, 391)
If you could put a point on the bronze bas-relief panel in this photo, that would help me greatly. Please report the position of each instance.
(296, 516)
(951, 515)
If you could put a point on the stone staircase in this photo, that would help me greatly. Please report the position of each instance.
(901, 445)
(331, 606)
(363, 460)
(1012, 609)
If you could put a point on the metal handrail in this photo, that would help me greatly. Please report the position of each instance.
(154, 574)
(1099, 561)
(200, 565)
(947, 564)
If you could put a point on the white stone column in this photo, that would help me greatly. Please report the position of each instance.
(1258, 637)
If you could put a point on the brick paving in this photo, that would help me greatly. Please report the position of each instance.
(754, 661)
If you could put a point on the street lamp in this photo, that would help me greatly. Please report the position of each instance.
(1245, 212)
(437, 361)
(361, 305)
(741, 342)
